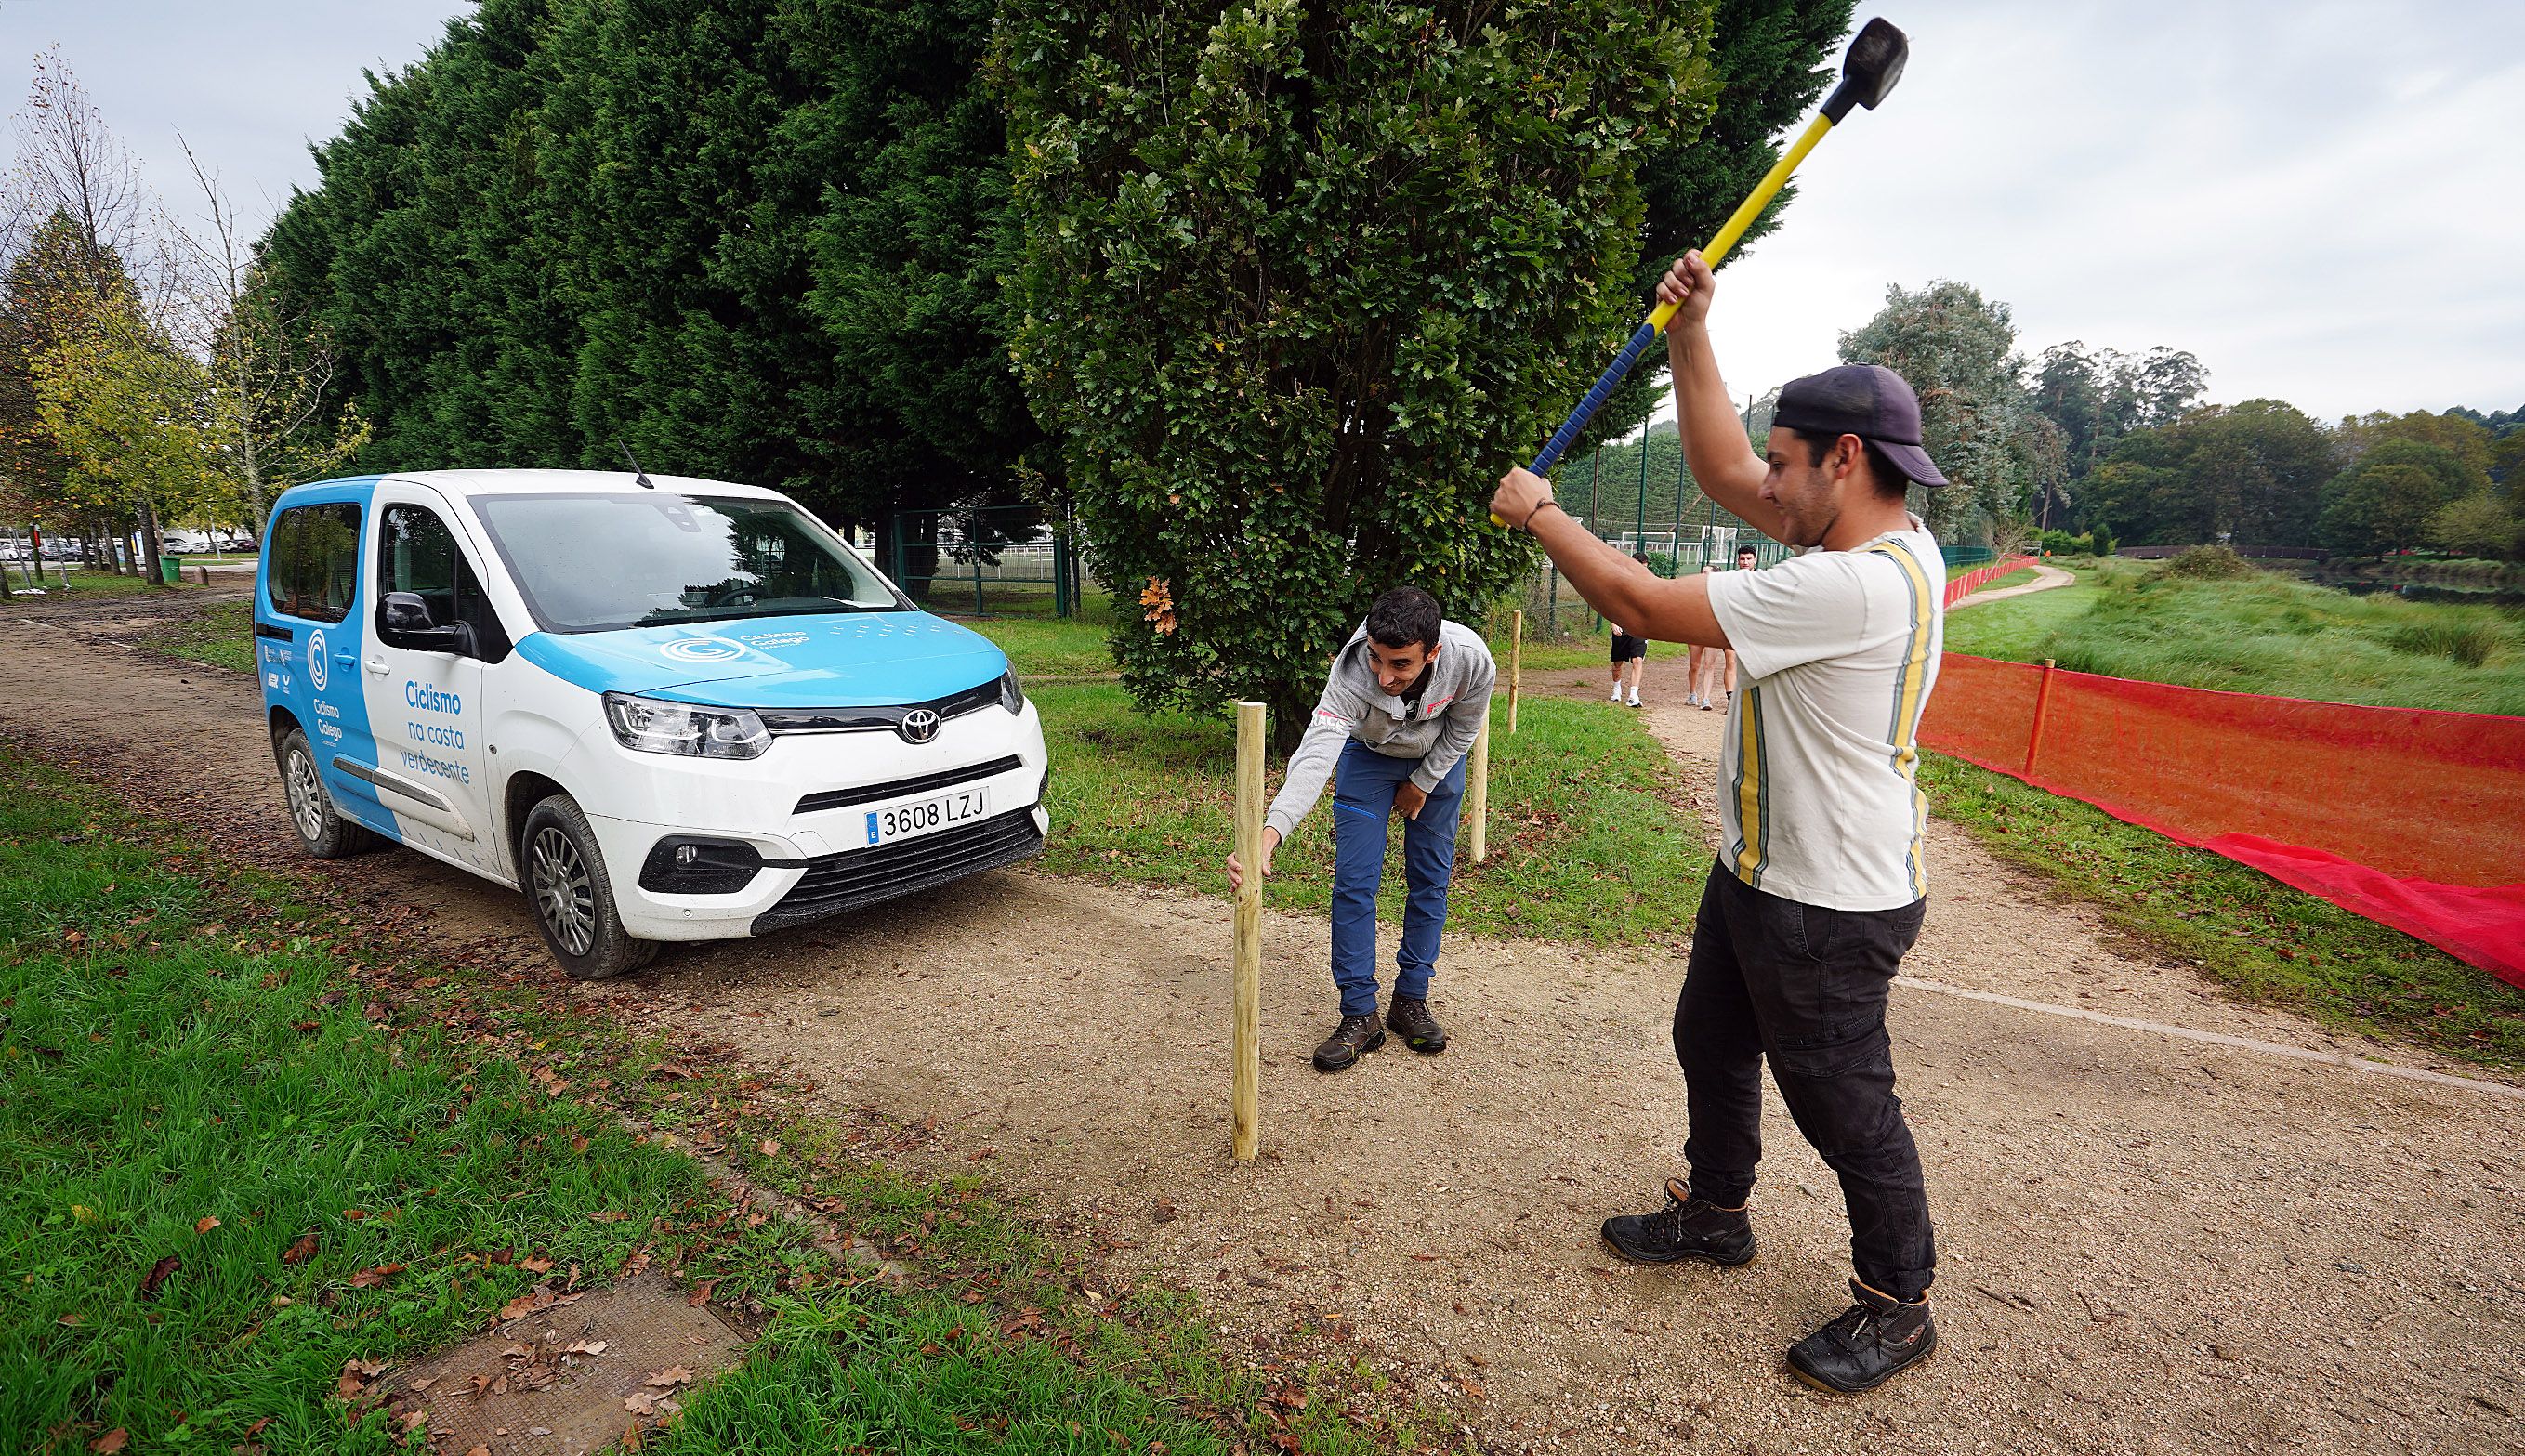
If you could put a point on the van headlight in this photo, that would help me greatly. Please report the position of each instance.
(653, 725)
(1012, 696)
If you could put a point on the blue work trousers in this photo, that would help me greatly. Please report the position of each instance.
(1365, 782)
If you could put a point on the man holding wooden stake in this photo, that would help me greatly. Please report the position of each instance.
(1408, 695)
(1821, 880)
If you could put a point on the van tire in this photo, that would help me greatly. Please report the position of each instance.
(322, 832)
(562, 869)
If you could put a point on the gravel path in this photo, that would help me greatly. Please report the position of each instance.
(2045, 579)
(2150, 1245)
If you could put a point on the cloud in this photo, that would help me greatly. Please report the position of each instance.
(2324, 202)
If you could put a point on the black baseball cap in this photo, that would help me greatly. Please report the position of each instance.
(1868, 401)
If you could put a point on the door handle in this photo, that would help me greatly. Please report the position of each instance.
(376, 665)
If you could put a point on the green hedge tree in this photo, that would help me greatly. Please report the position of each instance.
(1300, 282)
(755, 239)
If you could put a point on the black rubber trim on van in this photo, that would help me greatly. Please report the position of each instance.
(277, 634)
(866, 719)
(842, 798)
(856, 878)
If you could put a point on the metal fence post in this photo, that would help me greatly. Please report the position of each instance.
(1060, 571)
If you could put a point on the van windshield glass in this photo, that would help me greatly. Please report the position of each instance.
(654, 558)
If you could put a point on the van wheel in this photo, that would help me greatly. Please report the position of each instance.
(321, 830)
(572, 900)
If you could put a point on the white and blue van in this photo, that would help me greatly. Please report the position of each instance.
(666, 709)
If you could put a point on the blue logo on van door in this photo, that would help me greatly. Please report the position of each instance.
(315, 666)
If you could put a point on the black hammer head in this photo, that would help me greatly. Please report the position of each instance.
(1870, 70)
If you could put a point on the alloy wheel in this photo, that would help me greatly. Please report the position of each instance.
(564, 892)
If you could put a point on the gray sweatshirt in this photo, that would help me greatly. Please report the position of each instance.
(1455, 701)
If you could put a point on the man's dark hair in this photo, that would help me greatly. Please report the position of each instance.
(1747, 551)
(1404, 616)
(1880, 469)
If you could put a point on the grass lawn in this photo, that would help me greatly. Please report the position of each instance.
(232, 1160)
(2015, 630)
(2263, 940)
(221, 635)
(1588, 839)
(2265, 633)
(85, 583)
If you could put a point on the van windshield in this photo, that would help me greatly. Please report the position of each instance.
(654, 558)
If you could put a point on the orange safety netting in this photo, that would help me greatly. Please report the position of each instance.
(2411, 817)
(1975, 580)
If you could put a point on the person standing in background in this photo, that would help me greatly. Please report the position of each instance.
(1630, 655)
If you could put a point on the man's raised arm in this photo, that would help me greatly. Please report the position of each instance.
(1723, 462)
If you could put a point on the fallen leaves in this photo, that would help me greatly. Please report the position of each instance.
(205, 1225)
(771, 1148)
(301, 1251)
(540, 1297)
(535, 1266)
(356, 1376)
(368, 1279)
(701, 1295)
(112, 1442)
(671, 1377)
(609, 1216)
(157, 1275)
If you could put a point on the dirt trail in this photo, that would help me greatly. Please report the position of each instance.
(2045, 579)
(2149, 1244)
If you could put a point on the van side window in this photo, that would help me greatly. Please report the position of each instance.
(315, 553)
(418, 554)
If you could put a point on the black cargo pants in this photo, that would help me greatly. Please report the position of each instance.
(1807, 988)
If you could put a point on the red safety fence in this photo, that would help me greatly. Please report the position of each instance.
(1982, 576)
(2410, 818)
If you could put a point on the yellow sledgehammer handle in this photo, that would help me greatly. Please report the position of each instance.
(1648, 333)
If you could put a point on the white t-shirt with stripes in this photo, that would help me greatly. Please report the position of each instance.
(1836, 652)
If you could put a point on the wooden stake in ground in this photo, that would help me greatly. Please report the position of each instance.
(1246, 1041)
(1477, 787)
(1515, 663)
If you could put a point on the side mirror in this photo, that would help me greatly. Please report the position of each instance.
(403, 620)
(405, 611)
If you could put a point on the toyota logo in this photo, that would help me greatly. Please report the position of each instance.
(919, 725)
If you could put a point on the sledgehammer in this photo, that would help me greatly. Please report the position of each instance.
(1867, 75)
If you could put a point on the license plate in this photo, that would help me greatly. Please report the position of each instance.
(926, 816)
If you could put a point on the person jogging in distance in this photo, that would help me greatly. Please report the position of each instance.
(1630, 654)
(1408, 695)
(1821, 881)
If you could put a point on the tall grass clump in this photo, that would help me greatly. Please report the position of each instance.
(2266, 632)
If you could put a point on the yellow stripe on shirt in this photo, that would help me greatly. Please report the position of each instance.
(1911, 690)
(1753, 793)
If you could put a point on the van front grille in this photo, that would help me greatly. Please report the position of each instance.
(948, 778)
(853, 878)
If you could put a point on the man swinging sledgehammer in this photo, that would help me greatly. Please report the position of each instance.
(1408, 695)
(1820, 884)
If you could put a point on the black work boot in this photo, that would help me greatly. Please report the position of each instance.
(1409, 1018)
(1686, 1227)
(1356, 1037)
(1863, 1348)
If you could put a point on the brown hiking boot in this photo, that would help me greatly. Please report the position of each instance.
(1409, 1018)
(1356, 1037)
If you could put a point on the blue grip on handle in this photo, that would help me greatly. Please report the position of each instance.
(1605, 384)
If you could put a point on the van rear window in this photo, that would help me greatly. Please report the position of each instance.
(313, 553)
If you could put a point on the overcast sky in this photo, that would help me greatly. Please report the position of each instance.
(2325, 202)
